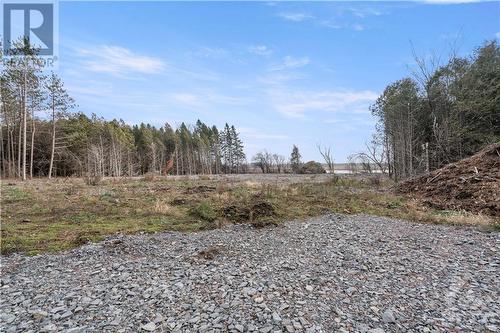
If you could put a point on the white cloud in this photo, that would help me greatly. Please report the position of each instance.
(358, 27)
(261, 50)
(335, 25)
(277, 78)
(295, 104)
(212, 52)
(186, 99)
(204, 99)
(252, 133)
(90, 88)
(497, 35)
(364, 11)
(295, 17)
(290, 62)
(330, 24)
(119, 60)
(448, 2)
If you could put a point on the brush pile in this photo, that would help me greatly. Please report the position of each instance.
(471, 184)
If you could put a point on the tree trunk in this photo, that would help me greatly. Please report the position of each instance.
(32, 143)
(53, 146)
(24, 128)
(19, 145)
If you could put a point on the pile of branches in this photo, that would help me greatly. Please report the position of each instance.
(471, 184)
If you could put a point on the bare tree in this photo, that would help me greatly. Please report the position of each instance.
(327, 156)
(280, 162)
(375, 154)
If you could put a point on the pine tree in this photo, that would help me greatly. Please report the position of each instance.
(59, 102)
(295, 161)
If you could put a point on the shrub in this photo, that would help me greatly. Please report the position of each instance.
(149, 176)
(93, 180)
(312, 167)
(162, 207)
(204, 211)
(375, 181)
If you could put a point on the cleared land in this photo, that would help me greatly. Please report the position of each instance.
(338, 273)
(42, 215)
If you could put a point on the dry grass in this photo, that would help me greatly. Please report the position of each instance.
(162, 207)
(41, 215)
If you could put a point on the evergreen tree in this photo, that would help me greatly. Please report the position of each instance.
(295, 159)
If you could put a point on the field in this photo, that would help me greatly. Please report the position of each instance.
(48, 216)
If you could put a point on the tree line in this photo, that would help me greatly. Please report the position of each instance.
(41, 136)
(439, 115)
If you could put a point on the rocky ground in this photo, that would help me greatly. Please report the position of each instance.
(332, 274)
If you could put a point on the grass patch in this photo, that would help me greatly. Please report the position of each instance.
(205, 211)
(49, 216)
(13, 194)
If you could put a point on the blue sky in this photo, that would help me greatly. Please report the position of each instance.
(283, 73)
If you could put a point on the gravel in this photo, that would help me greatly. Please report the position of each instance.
(330, 274)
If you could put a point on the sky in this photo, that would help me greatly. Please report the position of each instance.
(283, 73)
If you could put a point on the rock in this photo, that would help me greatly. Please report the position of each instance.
(39, 314)
(149, 327)
(388, 317)
(66, 315)
(362, 328)
(8, 318)
(250, 291)
(49, 328)
(376, 330)
(154, 277)
(350, 290)
(79, 329)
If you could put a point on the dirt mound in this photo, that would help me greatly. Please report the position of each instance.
(199, 189)
(471, 184)
(251, 213)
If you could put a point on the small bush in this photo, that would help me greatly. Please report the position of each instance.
(375, 181)
(204, 211)
(312, 167)
(162, 207)
(93, 180)
(149, 177)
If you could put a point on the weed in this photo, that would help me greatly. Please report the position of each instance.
(13, 194)
(150, 176)
(82, 217)
(162, 207)
(93, 180)
(204, 211)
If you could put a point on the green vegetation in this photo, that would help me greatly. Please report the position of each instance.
(46, 216)
(204, 211)
(440, 115)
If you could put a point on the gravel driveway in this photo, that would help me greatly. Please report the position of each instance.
(330, 274)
